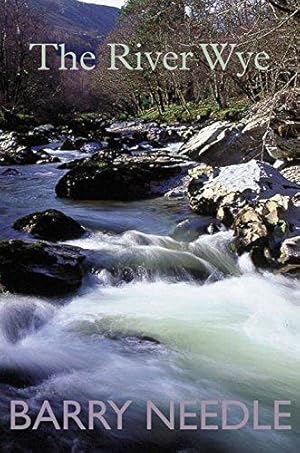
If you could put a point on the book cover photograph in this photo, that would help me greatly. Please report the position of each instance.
(149, 226)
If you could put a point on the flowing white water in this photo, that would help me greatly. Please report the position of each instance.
(236, 338)
(194, 323)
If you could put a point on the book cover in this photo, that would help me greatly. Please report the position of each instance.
(150, 226)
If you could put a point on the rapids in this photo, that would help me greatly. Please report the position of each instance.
(193, 323)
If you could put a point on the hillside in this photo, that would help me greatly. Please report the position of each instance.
(80, 24)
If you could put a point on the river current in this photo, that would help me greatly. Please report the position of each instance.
(195, 323)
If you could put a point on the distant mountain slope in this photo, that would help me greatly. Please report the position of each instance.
(83, 23)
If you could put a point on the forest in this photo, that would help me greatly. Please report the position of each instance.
(260, 27)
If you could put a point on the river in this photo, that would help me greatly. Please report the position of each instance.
(231, 333)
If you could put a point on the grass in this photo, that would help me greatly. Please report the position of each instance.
(197, 112)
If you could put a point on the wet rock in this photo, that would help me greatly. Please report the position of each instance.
(51, 225)
(46, 158)
(261, 229)
(255, 200)
(92, 147)
(190, 229)
(73, 143)
(39, 268)
(290, 255)
(25, 156)
(134, 340)
(125, 177)
(11, 172)
(181, 190)
(103, 156)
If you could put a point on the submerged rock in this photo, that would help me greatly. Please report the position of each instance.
(51, 225)
(39, 268)
(125, 177)
(11, 172)
(190, 229)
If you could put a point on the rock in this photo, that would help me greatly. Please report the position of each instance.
(67, 145)
(41, 135)
(291, 171)
(25, 156)
(73, 143)
(132, 133)
(229, 188)
(20, 156)
(51, 225)
(227, 143)
(107, 156)
(46, 158)
(123, 178)
(180, 191)
(260, 230)
(197, 145)
(255, 200)
(8, 141)
(46, 129)
(164, 135)
(39, 268)
(129, 133)
(290, 255)
(283, 135)
(11, 172)
(91, 125)
(190, 229)
(92, 147)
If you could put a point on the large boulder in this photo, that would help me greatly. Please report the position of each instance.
(221, 191)
(229, 143)
(126, 177)
(39, 268)
(253, 199)
(226, 143)
(51, 225)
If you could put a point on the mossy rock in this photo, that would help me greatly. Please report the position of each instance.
(39, 268)
(51, 225)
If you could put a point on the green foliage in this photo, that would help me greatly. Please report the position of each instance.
(197, 112)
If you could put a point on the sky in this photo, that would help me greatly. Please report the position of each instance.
(116, 3)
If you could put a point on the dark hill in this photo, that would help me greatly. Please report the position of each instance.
(79, 24)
